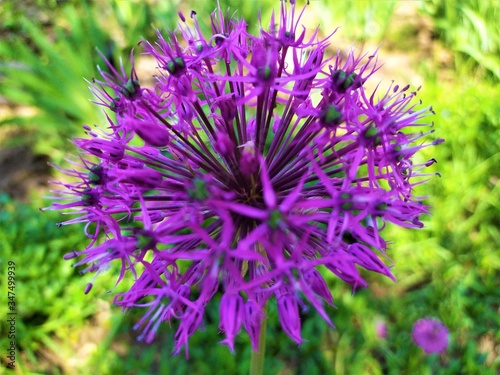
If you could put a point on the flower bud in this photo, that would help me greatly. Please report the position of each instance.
(96, 175)
(223, 144)
(104, 149)
(367, 259)
(318, 285)
(248, 160)
(228, 109)
(151, 133)
(341, 81)
(189, 324)
(131, 89)
(252, 322)
(231, 317)
(345, 269)
(145, 178)
(90, 197)
(288, 311)
(330, 116)
(176, 66)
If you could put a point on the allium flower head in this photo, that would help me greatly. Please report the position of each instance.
(431, 335)
(252, 162)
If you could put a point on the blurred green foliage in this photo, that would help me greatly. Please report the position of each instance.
(45, 59)
(471, 29)
(43, 69)
(449, 270)
(360, 20)
(49, 302)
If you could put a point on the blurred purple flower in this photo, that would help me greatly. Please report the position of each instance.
(431, 335)
(381, 329)
(251, 162)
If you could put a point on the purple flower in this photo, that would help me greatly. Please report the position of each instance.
(381, 329)
(252, 162)
(431, 335)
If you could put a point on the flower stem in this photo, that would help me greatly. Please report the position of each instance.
(257, 358)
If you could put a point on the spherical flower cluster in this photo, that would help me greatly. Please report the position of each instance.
(431, 335)
(251, 163)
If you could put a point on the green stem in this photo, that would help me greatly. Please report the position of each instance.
(334, 344)
(257, 358)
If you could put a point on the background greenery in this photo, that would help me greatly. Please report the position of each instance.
(449, 270)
